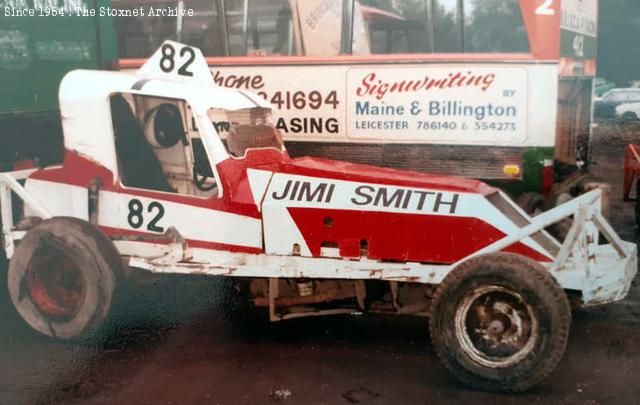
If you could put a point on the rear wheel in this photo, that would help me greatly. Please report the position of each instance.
(534, 204)
(500, 322)
(629, 116)
(637, 205)
(531, 203)
(3, 273)
(561, 228)
(64, 278)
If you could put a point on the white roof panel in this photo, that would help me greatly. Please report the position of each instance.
(86, 115)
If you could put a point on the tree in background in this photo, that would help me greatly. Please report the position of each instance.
(494, 26)
(619, 41)
(489, 25)
(446, 31)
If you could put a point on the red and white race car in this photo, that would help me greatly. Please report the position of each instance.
(168, 173)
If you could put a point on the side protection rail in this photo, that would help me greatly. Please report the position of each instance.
(10, 183)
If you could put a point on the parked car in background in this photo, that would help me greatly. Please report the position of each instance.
(601, 86)
(605, 106)
(628, 111)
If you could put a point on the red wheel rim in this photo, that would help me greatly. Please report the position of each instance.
(55, 283)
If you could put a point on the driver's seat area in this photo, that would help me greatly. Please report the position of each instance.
(138, 165)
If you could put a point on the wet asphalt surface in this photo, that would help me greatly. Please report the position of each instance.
(186, 340)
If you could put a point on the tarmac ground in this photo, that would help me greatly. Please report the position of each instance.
(188, 341)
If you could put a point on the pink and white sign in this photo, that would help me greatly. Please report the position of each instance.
(444, 104)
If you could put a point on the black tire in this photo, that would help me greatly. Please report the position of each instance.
(561, 229)
(540, 305)
(637, 204)
(64, 278)
(3, 272)
(532, 203)
(628, 116)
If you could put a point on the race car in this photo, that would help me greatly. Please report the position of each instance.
(165, 172)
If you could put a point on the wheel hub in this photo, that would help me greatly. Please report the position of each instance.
(55, 283)
(495, 326)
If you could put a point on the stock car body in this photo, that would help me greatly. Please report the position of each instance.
(165, 172)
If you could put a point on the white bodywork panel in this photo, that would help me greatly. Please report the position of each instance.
(193, 223)
(258, 181)
(61, 200)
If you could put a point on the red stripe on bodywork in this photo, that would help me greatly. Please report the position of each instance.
(330, 169)
(80, 171)
(116, 232)
(270, 60)
(398, 236)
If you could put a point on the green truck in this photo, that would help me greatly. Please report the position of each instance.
(39, 43)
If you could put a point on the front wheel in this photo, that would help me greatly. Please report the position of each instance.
(500, 322)
(64, 278)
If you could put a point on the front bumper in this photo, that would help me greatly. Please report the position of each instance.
(608, 278)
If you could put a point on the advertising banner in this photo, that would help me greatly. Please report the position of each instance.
(444, 104)
(474, 104)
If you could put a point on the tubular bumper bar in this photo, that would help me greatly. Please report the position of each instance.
(603, 273)
(9, 183)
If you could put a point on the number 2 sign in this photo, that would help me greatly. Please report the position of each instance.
(546, 8)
